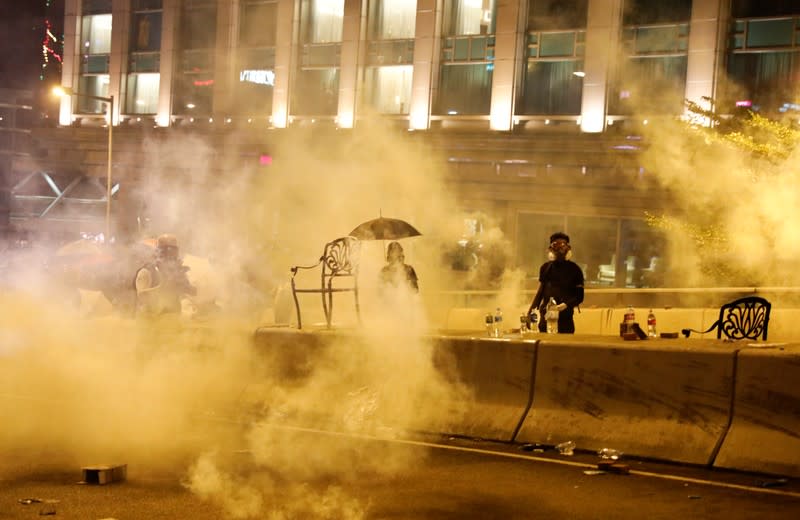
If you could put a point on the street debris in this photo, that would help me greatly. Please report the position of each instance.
(608, 453)
(566, 448)
(773, 483)
(611, 466)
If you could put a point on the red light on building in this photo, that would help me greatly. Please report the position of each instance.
(264, 159)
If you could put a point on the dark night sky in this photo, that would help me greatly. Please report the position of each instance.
(21, 35)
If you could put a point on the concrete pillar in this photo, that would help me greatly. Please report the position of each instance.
(603, 23)
(707, 35)
(352, 38)
(510, 29)
(286, 42)
(427, 37)
(225, 56)
(71, 61)
(118, 61)
(170, 28)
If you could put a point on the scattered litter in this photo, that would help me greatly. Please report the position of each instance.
(47, 511)
(536, 447)
(566, 448)
(694, 497)
(104, 474)
(608, 453)
(28, 501)
(613, 467)
(773, 483)
(594, 472)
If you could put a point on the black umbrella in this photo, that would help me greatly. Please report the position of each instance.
(383, 228)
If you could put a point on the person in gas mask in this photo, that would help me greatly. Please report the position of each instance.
(161, 284)
(561, 279)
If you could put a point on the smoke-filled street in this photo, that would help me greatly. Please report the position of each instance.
(456, 479)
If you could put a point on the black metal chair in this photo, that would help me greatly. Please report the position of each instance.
(339, 261)
(745, 318)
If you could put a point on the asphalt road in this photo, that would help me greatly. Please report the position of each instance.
(424, 478)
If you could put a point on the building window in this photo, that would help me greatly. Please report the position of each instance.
(463, 17)
(258, 26)
(93, 85)
(552, 88)
(198, 27)
(557, 14)
(653, 75)
(316, 92)
(321, 21)
(89, 7)
(387, 90)
(255, 82)
(194, 82)
(142, 93)
(464, 89)
(392, 19)
(96, 34)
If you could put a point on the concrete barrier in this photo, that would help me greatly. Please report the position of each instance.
(497, 375)
(764, 435)
(651, 398)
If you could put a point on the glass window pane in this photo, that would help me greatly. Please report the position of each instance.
(146, 32)
(642, 250)
(193, 94)
(388, 89)
(557, 44)
(316, 92)
(95, 6)
(322, 21)
(465, 89)
(259, 24)
(96, 34)
(552, 88)
(656, 39)
(464, 17)
(640, 12)
(656, 84)
(765, 78)
(557, 14)
(142, 94)
(594, 242)
(533, 238)
(199, 28)
(93, 86)
(392, 19)
(770, 33)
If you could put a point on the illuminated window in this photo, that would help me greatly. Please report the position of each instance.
(388, 89)
(96, 34)
(392, 19)
(322, 21)
(258, 24)
(92, 85)
(142, 93)
(464, 17)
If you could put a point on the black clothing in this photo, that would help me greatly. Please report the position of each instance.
(562, 280)
(393, 274)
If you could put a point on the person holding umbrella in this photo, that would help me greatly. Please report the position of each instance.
(397, 273)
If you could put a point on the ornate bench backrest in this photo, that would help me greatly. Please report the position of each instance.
(340, 257)
(745, 318)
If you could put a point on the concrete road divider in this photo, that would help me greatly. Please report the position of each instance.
(497, 377)
(765, 431)
(650, 398)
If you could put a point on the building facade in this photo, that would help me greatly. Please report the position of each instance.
(574, 73)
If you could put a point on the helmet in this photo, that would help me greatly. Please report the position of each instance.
(167, 245)
(167, 240)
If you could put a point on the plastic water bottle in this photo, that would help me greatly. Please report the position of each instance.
(489, 324)
(498, 323)
(551, 315)
(629, 319)
(651, 324)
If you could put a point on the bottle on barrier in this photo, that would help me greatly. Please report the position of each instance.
(651, 324)
(551, 315)
(498, 323)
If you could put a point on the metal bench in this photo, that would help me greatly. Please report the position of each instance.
(745, 318)
(339, 261)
